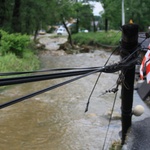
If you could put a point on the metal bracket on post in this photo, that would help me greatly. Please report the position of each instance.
(129, 44)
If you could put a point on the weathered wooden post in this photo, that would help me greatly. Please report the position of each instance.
(129, 44)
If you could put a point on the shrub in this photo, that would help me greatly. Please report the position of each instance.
(110, 38)
(16, 53)
(14, 43)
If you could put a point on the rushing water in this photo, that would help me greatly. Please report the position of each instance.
(56, 120)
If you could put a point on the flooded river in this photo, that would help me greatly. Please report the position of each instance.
(56, 120)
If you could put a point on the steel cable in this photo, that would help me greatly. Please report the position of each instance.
(46, 89)
(33, 78)
(41, 71)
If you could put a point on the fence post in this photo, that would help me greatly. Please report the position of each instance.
(129, 44)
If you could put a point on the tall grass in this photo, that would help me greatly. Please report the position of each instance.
(111, 38)
(16, 53)
(12, 63)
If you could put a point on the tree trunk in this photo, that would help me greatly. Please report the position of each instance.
(77, 26)
(36, 32)
(106, 25)
(2, 12)
(69, 37)
(16, 23)
(94, 26)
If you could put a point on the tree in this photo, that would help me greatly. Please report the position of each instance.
(112, 13)
(84, 15)
(2, 12)
(29, 16)
(25, 16)
(6, 9)
(16, 22)
(137, 10)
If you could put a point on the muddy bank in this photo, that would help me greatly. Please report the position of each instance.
(55, 45)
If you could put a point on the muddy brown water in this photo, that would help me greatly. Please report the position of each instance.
(56, 120)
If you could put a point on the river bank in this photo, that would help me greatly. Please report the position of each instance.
(53, 42)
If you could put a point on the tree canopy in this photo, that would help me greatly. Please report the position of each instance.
(138, 11)
(28, 16)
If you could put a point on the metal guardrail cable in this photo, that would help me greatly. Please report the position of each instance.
(88, 102)
(33, 78)
(83, 72)
(106, 69)
(47, 89)
(134, 52)
(38, 71)
(116, 67)
(110, 118)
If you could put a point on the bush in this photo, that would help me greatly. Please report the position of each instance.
(110, 38)
(14, 43)
(16, 54)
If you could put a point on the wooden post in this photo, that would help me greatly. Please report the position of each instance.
(129, 44)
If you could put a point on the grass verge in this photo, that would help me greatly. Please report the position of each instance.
(110, 38)
(12, 63)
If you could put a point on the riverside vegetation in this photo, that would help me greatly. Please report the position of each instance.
(102, 38)
(18, 53)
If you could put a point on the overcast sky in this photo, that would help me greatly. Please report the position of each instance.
(97, 8)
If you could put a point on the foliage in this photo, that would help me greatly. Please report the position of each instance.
(14, 54)
(11, 63)
(85, 16)
(30, 16)
(99, 38)
(138, 11)
(14, 43)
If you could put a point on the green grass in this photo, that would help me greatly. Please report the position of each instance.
(16, 53)
(110, 38)
(11, 63)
